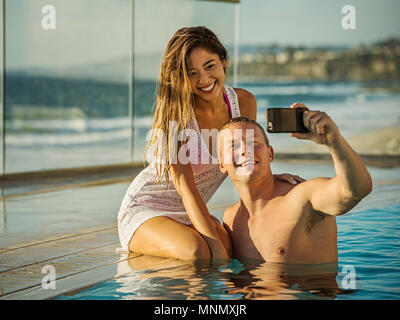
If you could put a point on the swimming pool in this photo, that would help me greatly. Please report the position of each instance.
(368, 268)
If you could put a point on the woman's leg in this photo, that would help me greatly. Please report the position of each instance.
(223, 235)
(165, 237)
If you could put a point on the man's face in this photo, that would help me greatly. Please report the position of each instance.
(244, 153)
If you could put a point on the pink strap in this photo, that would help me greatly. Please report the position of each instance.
(227, 102)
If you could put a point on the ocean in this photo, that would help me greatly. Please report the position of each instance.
(43, 144)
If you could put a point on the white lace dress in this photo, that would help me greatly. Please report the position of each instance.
(145, 198)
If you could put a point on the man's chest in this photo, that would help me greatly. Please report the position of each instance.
(269, 237)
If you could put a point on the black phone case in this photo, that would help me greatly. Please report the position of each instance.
(274, 120)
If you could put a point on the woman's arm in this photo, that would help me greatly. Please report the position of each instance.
(183, 179)
(291, 178)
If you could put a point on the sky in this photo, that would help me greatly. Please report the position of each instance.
(90, 31)
(317, 22)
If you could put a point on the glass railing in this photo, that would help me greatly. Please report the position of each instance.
(80, 76)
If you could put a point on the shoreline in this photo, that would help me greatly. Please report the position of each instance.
(391, 86)
(379, 161)
(380, 142)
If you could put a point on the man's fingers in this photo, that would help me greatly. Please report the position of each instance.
(323, 124)
(319, 123)
(307, 115)
(298, 105)
(314, 121)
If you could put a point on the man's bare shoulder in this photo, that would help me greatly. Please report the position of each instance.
(304, 188)
(301, 194)
(297, 196)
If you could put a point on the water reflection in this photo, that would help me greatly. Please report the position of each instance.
(152, 277)
(268, 280)
(148, 277)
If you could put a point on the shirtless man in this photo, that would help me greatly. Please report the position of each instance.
(279, 222)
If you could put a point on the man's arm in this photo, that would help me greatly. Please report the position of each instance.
(352, 182)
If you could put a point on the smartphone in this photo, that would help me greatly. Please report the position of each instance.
(285, 120)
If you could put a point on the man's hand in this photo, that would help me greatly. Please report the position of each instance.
(352, 182)
(322, 129)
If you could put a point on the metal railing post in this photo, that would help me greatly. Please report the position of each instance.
(236, 46)
(2, 84)
(132, 85)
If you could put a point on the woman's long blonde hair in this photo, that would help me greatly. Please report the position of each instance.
(175, 98)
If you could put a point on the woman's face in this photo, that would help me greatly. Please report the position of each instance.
(206, 73)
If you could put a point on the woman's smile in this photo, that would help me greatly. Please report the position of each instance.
(209, 88)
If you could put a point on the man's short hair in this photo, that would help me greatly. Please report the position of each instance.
(240, 120)
(243, 120)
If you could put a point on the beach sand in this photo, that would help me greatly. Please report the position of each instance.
(385, 141)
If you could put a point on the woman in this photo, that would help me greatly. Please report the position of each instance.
(163, 212)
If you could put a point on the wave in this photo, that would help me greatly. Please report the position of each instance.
(73, 132)
(31, 140)
(359, 112)
(77, 125)
(304, 89)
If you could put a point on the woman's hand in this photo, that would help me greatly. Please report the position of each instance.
(287, 177)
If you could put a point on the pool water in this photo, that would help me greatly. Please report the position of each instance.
(368, 236)
(368, 267)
